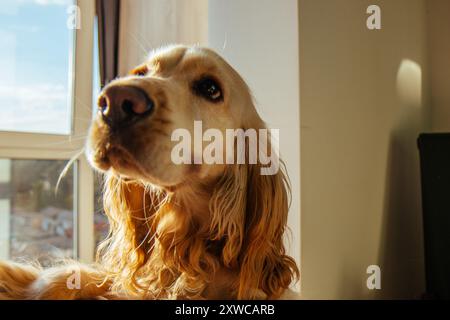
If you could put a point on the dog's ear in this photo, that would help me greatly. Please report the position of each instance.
(129, 208)
(249, 214)
(227, 207)
(264, 264)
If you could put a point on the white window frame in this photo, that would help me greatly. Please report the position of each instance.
(21, 145)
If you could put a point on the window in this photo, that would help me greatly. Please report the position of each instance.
(45, 111)
(35, 59)
(37, 220)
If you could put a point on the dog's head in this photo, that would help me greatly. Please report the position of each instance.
(137, 115)
(241, 213)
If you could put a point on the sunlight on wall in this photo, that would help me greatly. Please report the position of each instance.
(409, 83)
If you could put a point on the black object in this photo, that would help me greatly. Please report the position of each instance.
(434, 151)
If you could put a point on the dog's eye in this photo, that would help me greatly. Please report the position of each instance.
(139, 71)
(209, 89)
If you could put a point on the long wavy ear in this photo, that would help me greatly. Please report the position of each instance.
(264, 264)
(227, 208)
(129, 207)
(249, 215)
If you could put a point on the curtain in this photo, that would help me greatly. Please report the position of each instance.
(108, 16)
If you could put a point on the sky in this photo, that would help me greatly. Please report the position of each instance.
(35, 50)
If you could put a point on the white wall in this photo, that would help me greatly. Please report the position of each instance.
(259, 38)
(149, 24)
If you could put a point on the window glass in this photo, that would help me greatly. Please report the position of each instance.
(35, 64)
(36, 221)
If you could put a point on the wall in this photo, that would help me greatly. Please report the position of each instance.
(149, 24)
(439, 59)
(364, 100)
(262, 45)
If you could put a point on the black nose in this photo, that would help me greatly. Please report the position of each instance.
(123, 105)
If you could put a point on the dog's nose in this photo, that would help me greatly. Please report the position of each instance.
(122, 105)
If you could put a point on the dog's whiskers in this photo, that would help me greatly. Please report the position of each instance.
(84, 105)
(68, 140)
(67, 167)
(141, 46)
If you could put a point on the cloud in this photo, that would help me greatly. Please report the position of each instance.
(11, 7)
(35, 108)
(39, 93)
(24, 28)
(52, 2)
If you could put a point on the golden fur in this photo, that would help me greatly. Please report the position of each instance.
(177, 231)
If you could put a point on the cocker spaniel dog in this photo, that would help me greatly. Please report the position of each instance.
(190, 230)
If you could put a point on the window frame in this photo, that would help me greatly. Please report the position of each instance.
(24, 145)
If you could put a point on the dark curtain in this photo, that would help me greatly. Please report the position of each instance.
(108, 13)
